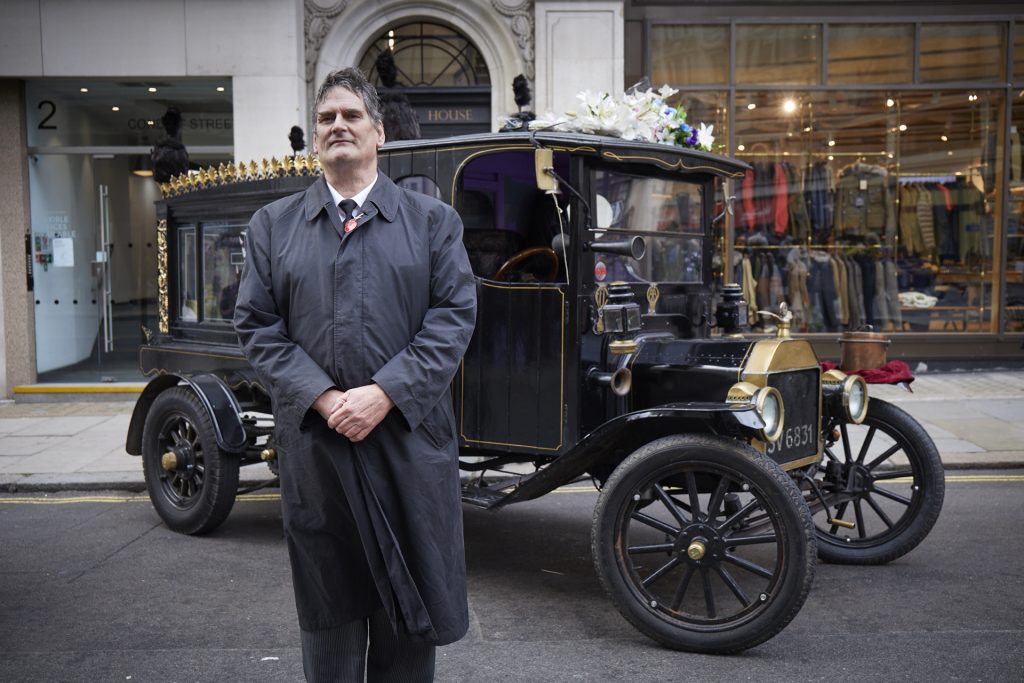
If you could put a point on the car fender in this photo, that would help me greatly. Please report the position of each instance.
(625, 433)
(215, 396)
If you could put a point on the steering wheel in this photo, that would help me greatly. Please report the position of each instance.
(508, 266)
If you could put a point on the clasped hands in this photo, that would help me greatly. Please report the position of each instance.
(354, 413)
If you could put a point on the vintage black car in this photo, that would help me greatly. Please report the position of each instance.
(604, 350)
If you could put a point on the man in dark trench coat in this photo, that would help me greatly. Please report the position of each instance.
(356, 304)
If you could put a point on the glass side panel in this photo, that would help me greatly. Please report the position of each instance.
(188, 280)
(222, 268)
(1015, 221)
(870, 53)
(778, 54)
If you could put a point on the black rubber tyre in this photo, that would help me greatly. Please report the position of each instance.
(886, 474)
(740, 515)
(197, 494)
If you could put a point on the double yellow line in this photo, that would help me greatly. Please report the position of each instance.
(259, 497)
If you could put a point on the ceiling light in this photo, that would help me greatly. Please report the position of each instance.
(151, 89)
(807, 129)
(83, 90)
(949, 153)
(889, 155)
(740, 148)
(831, 143)
(890, 102)
(115, 109)
(903, 126)
(944, 138)
(789, 106)
(220, 88)
(150, 123)
(751, 106)
(831, 158)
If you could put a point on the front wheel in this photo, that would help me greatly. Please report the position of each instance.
(703, 544)
(190, 480)
(884, 483)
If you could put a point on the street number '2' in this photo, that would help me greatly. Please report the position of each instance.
(53, 110)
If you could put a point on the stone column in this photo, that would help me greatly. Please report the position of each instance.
(579, 46)
(17, 306)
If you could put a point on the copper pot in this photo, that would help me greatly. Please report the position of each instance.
(862, 350)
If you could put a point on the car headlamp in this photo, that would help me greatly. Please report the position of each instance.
(852, 393)
(767, 401)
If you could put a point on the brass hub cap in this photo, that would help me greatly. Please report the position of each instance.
(696, 549)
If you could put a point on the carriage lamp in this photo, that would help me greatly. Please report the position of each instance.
(846, 394)
(620, 316)
(731, 314)
(767, 402)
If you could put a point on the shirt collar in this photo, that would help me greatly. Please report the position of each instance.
(358, 197)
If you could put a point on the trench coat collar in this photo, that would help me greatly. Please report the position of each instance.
(384, 195)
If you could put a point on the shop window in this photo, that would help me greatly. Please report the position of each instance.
(963, 52)
(778, 54)
(688, 54)
(870, 53)
(1015, 220)
(869, 208)
(1018, 51)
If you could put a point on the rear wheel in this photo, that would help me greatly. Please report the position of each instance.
(883, 478)
(703, 544)
(191, 481)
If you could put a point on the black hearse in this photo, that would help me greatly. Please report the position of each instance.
(604, 350)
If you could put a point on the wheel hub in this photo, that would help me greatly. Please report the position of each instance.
(698, 544)
(179, 460)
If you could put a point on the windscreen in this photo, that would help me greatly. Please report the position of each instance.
(667, 213)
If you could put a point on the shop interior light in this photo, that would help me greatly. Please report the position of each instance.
(903, 127)
(115, 108)
(944, 138)
(831, 158)
(83, 90)
(220, 88)
(143, 166)
(890, 102)
(807, 129)
(151, 89)
(789, 106)
(831, 143)
(740, 148)
(751, 106)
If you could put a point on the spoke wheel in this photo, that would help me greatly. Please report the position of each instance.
(886, 478)
(703, 544)
(191, 482)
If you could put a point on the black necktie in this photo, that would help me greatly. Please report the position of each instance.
(348, 208)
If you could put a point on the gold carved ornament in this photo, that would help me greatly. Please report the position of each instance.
(161, 246)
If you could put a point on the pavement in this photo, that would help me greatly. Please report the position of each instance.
(976, 419)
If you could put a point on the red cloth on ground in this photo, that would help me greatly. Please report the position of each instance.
(893, 372)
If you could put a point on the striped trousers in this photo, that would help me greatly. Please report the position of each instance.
(365, 650)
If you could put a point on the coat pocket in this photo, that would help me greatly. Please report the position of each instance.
(438, 427)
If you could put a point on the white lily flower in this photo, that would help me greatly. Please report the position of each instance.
(704, 137)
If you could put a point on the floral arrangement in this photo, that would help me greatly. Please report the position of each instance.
(637, 115)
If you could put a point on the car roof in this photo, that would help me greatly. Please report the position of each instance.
(668, 157)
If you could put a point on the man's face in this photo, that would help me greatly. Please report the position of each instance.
(345, 135)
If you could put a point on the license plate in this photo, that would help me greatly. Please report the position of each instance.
(800, 396)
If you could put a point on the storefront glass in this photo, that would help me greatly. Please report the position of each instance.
(93, 220)
(963, 52)
(691, 54)
(870, 53)
(778, 54)
(873, 199)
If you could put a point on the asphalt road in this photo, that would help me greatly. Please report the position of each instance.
(94, 588)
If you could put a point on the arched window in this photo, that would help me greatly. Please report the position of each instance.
(427, 54)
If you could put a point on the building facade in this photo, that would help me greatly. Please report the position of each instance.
(851, 117)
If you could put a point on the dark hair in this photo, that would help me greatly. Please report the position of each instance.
(353, 80)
